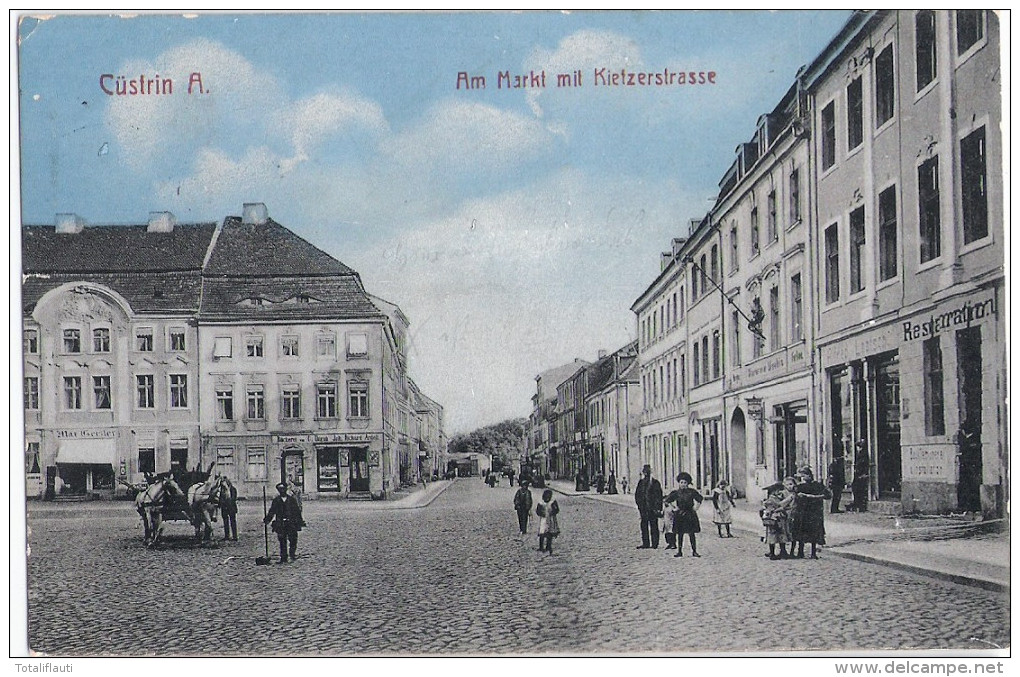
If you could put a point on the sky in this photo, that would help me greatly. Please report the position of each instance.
(514, 227)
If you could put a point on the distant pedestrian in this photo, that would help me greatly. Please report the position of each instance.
(623, 484)
(549, 525)
(228, 510)
(775, 516)
(285, 514)
(722, 508)
(836, 481)
(612, 483)
(510, 476)
(648, 496)
(522, 504)
(809, 519)
(686, 521)
(600, 483)
(862, 478)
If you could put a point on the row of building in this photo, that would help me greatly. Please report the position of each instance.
(844, 298)
(235, 346)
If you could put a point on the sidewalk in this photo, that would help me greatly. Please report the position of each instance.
(952, 549)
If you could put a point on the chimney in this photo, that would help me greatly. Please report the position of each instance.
(255, 213)
(69, 223)
(161, 222)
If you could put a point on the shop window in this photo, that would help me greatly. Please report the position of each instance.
(72, 392)
(828, 141)
(225, 404)
(928, 205)
(146, 459)
(101, 340)
(30, 341)
(975, 189)
(256, 457)
(970, 28)
(101, 390)
(857, 250)
(145, 386)
(924, 43)
(887, 234)
(178, 391)
(72, 341)
(885, 87)
(32, 393)
(934, 403)
(143, 339)
(854, 114)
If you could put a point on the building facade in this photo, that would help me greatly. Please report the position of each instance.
(612, 415)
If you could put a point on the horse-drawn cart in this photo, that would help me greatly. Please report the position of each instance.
(192, 496)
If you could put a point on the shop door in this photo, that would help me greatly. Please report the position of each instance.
(328, 469)
(294, 469)
(968, 359)
(359, 469)
(887, 424)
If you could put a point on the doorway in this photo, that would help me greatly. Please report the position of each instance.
(738, 448)
(293, 469)
(887, 424)
(359, 469)
(968, 360)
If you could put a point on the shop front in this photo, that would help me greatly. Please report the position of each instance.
(336, 464)
(85, 466)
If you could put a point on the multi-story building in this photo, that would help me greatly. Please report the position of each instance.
(613, 413)
(430, 437)
(546, 451)
(573, 452)
(908, 254)
(240, 347)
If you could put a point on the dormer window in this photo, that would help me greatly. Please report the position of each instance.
(255, 301)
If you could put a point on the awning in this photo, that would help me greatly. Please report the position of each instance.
(102, 451)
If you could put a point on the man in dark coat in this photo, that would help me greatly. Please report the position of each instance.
(522, 504)
(648, 496)
(285, 514)
(837, 481)
(228, 510)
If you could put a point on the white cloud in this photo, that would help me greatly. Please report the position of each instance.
(312, 120)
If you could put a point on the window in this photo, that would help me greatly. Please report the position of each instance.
(256, 463)
(735, 340)
(683, 375)
(854, 114)
(225, 460)
(256, 399)
(734, 250)
(177, 341)
(796, 309)
(145, 385)
(178, 391)
(774, 333)
(832, 263)
(704, 358)
(970, 28)
(829, 135)
(325, 345)
(291, 399)
(72, 392)
(887, 235)
(857, 238)
(147, 459)
(715, 263)
(716, 349)
(682, 299)
(697, 364)
(694, 285)
(754, 232)
(143, 339)
(928, 205)
(72, 340)
(326, 400)
(224, 403)
(289, 346)
(253, 346)
(934, 409)
(704, 273)
(30, 341)
(924, 43)
(31, 392)
(32, 458)
(223, 346)
(975, 189)
(885, 87)
(357, 344)
(773, 231)
(795, 195)
(101, 340)
(674, 309)
(101, 390)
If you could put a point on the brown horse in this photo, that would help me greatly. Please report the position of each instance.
(150, 503)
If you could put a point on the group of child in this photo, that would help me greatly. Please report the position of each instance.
(793, 514)
(547, 510)
(681, 513)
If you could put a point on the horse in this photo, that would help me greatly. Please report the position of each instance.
(149, 504)
(204, 502)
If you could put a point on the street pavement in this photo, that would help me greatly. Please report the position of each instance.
(450, 575)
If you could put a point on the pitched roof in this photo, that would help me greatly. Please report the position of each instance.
(147, 292)
(114, 249)
(268, 249)
(336, 297)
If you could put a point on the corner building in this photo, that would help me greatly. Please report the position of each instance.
(909, 257)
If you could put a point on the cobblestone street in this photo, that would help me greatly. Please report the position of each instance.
(455, 578)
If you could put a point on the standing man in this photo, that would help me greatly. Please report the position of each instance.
(522, 504)
(648, 496)
(228, 510)
(837, 480)
(285, 514)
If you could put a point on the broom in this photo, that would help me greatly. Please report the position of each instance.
(265, 530)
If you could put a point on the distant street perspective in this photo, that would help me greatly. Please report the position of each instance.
(454, 576)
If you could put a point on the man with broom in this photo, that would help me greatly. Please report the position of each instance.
(285, 514)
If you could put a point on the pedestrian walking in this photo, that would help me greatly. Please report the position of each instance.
(510, 476)
(612, 483)
(600, 483)
(228, 510)
(623, 484)
(549, 525)
(776, 516)
(285, 514)
(648, 496)
(685, 520)
(837, 481)
(809, 523)
(722, 508)
(862, 477)
(522, 504)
